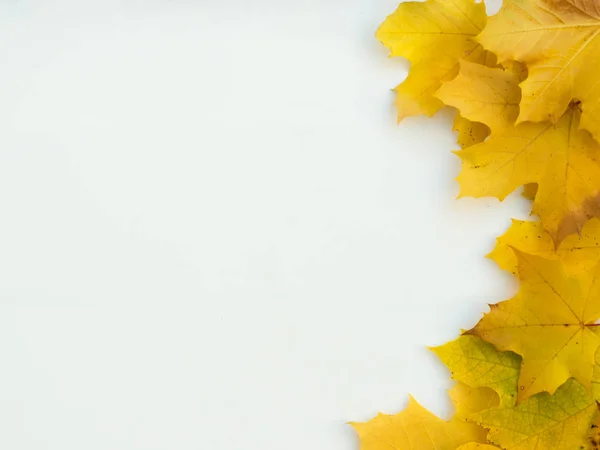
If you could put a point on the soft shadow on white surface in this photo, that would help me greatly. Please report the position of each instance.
(214, 234)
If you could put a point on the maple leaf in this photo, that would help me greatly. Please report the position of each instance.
(433, 35)
(483, 94)
(529, 371)
(578, 252)
(559, 42)
(477, 363)
(543, 422)
(563, 161)
(469, 133)
(415, 425)
(550, 323)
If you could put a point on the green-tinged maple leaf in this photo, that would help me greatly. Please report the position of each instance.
(543, 422)
(477, 363)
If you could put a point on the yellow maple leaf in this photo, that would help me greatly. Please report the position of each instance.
(469, 133)
(550, 323)
(579, 252)
(415, 428)
(543, 422)
(477, 363)
(559, 41)
(563, 161)
(483, 94)
(433, 35)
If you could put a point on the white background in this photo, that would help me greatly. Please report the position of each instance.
(213, 234)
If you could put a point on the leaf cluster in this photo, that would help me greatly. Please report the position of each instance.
(525, 85)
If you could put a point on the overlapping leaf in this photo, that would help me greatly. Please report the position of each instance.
(561, 159)
(559, 41)
(484, 94)
(477, 363)
(433, 35)
(529, 371)
(579, 252)
(543, 422)
(550, 323)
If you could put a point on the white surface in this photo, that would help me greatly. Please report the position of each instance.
(214, 235)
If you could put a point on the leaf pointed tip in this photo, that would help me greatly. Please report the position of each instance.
(435, 349)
